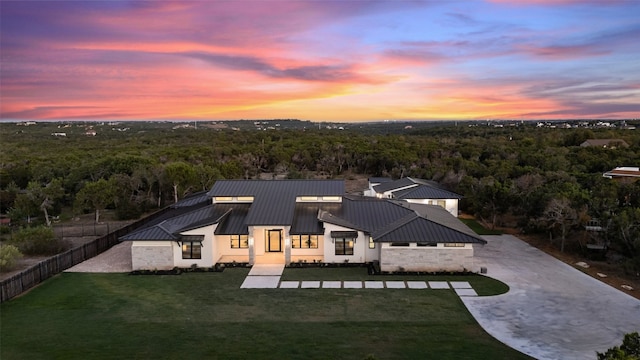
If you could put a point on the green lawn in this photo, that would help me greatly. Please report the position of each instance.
(207, 315)
(479, 229)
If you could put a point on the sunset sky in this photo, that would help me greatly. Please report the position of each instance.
(320, 60)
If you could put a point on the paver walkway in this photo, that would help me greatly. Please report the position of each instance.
(267, 276)
(552, 310)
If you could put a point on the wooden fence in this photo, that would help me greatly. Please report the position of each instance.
(23, 281)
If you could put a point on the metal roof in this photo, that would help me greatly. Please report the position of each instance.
(274, 201)
(396, 221)
(193, 199)
(234, 222)
(170, 228)
(275, 204)
(379, 180)
(425, 192)
(305, 218)
(396, 184)
(421, 230)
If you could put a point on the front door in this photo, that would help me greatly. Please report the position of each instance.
(274, 243)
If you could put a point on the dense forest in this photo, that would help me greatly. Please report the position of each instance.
(533, 179)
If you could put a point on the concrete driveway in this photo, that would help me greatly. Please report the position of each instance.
(552, 310)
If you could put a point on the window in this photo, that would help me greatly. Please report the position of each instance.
(192, 250)
(454, 245)
(239, 241)
(304, 241)
(400, 244)
(331, 198)
(308, 198)
(223, 198)
(245, 198)
(428, 244)
(372, 245)
(344, 246)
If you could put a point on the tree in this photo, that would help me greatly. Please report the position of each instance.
(39, 240)
(37, 198)
(97, 195)
(629, 350)
(559, 213)
(8, 256)
(182, 177)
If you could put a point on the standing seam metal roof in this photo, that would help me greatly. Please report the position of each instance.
(274, 201)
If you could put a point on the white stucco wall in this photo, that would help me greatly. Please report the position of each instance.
(359, 252)
(152, 255)
(208, 249)
(427, 258)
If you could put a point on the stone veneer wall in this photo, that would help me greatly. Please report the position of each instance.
(430, 259)
(152, 257)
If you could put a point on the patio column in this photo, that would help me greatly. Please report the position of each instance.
(287, 250)
(252, 251)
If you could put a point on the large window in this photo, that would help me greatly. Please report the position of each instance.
(304, 241)
(372, 245)
(344, 246)
(239, 241)
(192, 250)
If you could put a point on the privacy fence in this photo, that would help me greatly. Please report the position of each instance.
(23, 281)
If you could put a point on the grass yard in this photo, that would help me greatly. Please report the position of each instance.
(207, 316)
(479, 229)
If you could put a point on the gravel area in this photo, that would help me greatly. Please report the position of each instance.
(115, 260)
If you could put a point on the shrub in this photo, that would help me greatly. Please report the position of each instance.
(629, 350)
(40, 240)
(8, 256)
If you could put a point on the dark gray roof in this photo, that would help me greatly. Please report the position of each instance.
(274, 200)
(425, 192)
(305, 219)
(169, 229)
(416, 189)
(275, 204)
(396, 184)
(393, 221)
(440, 215)
(234, 223)
(193, 199)
(418, 229)
(379, 180)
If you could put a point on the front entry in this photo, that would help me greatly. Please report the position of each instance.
(274, 241)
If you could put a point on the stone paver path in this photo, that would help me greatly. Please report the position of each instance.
(266, 276)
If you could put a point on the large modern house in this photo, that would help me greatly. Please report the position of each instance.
(286, 221)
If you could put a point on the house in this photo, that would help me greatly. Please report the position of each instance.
(605, 143)
(624, 174)
(414, 191)
(287, 221)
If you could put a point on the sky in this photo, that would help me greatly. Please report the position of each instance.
(320, 60)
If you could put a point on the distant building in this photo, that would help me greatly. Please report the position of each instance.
(90, 133)
(605, 143)
(624, 173)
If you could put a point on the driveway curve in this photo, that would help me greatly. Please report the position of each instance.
(552, 311)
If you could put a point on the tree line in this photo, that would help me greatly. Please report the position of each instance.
(538, 180)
